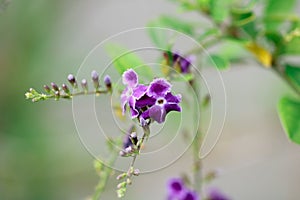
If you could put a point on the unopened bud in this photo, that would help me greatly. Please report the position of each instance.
(107, 82)
(121, 176)
(47, 88)
(72, 80)
(54, 86)
(95, 78)
(65, 88)
(121, 185)
(128, 181)
(136, 172)
(57, 95)
(84, 85)
(122, 153)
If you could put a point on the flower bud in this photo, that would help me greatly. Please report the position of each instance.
(47, 88)
(65, 88)
(84, 85)
(95, 78)
(72, 80)
(107, 82)
(57, 95)
(136, 172)
(54, 86)
(122, 153)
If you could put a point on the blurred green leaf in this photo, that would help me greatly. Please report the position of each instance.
(275, 11)
(157, 35)
(244, 18)
(219, 62)
(207, 33)
(241, 16)
(292, 45)
(232, 50)
(124, 59)
(183, 77)
(293, 73)
(219, 9)
(175, 23)
(289, 113)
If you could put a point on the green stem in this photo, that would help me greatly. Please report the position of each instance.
(105, 174)
(196, 145)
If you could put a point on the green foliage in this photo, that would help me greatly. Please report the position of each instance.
(183, 77)
(276, 11)
(124, 59)
(219, 10)
(219, 62)
(289, 113)
(292, 47)
(293, 74)
(159, 36)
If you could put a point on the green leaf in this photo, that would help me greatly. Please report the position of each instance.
(292, 40)
(124, 59)
(175, 23)
(157, 35)
(232, 50)
(219, 9)
(275, 12)
(207, 33)
(244, 18)
(219, 62)
(289, 113)
(293, 73)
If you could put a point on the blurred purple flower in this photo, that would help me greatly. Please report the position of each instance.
(183, 64)
(215, 194)
(178, 191)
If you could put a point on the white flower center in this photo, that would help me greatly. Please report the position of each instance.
(160, 101)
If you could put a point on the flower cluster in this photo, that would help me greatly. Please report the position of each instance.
(130, 143)
(178, 191)
(153, 101)
(178, 62)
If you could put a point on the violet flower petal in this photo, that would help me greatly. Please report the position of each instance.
(130, 78)
(190, 195)
(172, 107)
(139, 91)
(158, 88)
(186, 62)
(157, 113)
(173, 98)
(175, 186)
(215, 194)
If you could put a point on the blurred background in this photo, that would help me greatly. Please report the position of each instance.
(41, 156)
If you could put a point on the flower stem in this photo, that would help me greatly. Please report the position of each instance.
(196, 145)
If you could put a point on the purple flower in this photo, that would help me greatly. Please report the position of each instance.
(190, 195)
(132, 92)
(215, 194)
(179, 62)
(178, 191)
(154, 101)
(176, 188)
(161, 100)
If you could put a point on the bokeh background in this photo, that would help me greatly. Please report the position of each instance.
(41, 156)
